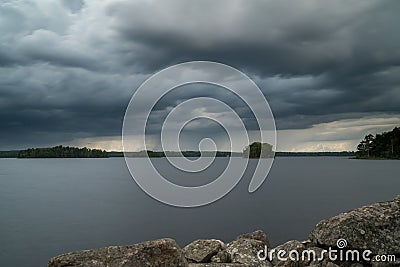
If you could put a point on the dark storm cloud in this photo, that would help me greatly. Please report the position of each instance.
(271, 38)
(350, 53)
(53, 105)
(68, 68)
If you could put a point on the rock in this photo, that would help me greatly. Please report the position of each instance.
(355, 265)
(288, 247)
(351, 264)
(256, 235)
(291, 245)
(216, 265)
(221, 257)
(244, 251)
(307, 243)
(375, 227)
(162, 253)
(386, 264)
(323, 264)
(318, 261)
(203, 249)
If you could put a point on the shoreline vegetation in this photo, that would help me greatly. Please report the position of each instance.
(62, 152)
(373, 147)
(89, 153)
(380, 146)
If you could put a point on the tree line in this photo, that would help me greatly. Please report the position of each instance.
(380, 146)
(62, 152)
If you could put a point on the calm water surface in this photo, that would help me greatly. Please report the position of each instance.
(52, 206)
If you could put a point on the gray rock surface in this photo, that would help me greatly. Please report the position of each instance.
(317, 261)
(292, 245)
(203, 249)
(221, 257)
(157, 253)
(307, 243)
(216, 265)
(352, 265)
(256, 235)
(374, 227)
(385, 264)
(245, 251)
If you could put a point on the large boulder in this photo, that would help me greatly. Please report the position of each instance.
(292, 260)
(162, 253)
(221, 257)
(244, 251)
(316, 261)
(203, 250)
(256, 235)
(216, 265)
(375, 227)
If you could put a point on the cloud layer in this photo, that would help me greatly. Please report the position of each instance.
(69, 68)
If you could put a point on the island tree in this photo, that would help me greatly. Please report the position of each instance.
(258, 150)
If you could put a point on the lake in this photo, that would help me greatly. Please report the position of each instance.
(52, 206)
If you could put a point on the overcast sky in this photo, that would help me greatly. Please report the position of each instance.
(329, 69)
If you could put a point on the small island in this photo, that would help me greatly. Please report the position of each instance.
(381, 146)
(62, 152)
(258, 150)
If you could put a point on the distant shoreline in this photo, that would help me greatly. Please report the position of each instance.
(141, 154)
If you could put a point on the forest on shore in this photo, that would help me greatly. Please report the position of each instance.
(385, 145)
(62, 152)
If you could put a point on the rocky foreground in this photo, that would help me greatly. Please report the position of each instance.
(371, 232)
